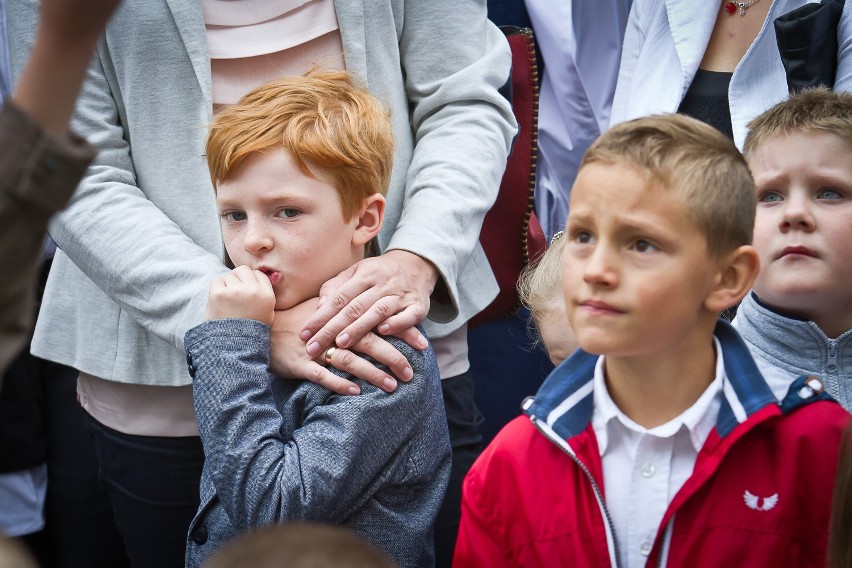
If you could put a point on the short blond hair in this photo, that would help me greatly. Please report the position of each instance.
(810, 111)
(693, 160)
(323, 119)
(540, 282)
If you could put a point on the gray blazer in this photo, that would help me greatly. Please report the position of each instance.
(283, 450)
(140, 240)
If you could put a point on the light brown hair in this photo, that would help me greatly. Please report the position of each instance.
(694, 161)
(299, 545)
(810, 111)
(323, 119)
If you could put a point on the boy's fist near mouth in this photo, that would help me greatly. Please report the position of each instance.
(243, 293)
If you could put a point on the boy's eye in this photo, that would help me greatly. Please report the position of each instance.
(642, 245)
(829, 194)
(288, 212)
(769, 197)
(234, 216)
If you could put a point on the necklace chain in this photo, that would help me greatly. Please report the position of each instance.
(732, 7)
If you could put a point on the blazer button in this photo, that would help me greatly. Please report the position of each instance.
(191, 368)
(199, 535)
(188, 359)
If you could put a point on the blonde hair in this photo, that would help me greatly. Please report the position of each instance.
(693, 160)
(323, 120)
(811, 111)
(540, 282)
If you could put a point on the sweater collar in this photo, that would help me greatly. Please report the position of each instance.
(565, 400)
(805, 346)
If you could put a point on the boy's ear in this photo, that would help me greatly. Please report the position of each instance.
(737, 271)
(370, 219)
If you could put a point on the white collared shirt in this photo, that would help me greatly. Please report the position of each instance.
(644, 469)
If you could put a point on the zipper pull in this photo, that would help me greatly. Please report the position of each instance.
(831, 364)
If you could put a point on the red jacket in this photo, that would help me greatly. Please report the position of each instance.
(760, 493)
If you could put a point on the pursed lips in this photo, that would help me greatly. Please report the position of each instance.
(273, 275)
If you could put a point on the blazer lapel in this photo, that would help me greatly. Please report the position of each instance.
(350, 19)
(190, 24)
(691, 24)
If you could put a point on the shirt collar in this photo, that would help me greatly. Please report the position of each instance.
(698, 420)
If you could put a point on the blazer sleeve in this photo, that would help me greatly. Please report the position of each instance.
(333, 462)
(111, 230)
(454, 61)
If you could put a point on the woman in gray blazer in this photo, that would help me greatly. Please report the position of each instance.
(140, 241)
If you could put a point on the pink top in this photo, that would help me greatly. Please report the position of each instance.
(253, 41)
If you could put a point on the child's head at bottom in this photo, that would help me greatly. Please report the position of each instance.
(657, 238)
(300, 166)
(800, 152)
(299, 545)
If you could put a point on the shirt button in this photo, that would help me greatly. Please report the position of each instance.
(199, 536)
(645, 548)
(648, 470)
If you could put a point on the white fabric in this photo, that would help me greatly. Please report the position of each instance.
(141, 410)
(234, 34)
(451, 353)
(643, 469)
(665, 41)
(22, 495)
(232, 78)
(580, 43)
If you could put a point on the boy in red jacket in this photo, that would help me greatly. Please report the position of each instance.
(659, 442)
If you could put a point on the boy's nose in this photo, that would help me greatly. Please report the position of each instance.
(257, 237)
(798, 214)
(601, 267)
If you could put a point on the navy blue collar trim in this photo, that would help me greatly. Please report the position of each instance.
(565, 399)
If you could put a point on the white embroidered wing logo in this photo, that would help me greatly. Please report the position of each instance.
(753, 501)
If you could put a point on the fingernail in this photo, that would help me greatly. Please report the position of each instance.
(422, 343)
(389, 384)
(407, 373)
(305, 335)
(354, 390)
(384, 328)
(343, 340)
(313, 348)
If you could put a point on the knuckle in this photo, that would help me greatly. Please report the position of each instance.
(353, 310)
(347, 358)
(338, 302)
(385, 309)
(418, 311)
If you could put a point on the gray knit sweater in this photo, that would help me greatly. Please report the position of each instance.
(785, 348)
